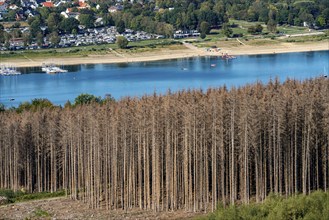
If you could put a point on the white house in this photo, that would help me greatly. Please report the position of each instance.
(115, 8)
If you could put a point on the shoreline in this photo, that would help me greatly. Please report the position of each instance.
(167, 54)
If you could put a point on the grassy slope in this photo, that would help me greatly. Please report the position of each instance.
(216, 38)
(83, 51)
(313, 206)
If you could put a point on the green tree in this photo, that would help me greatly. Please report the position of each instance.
(27, 39)
(35, 27)
(122, 42)
(84, 98)
(168, 30)
(69, 24)
(74, 32)
(41, 103)
(205, 27)
(307, 17)
(11, 16)
(87, 20)
(53, 21)
(7, 44)
(54, 39)
(226, 30)
(2, 36)
(107, 20)
(16, 33)
(121, 27)
(203, 35)
(35, 105)
(257, 29)
(44, 12)
(325, 14)
(271, 26)
(320, 21)
(39, 39)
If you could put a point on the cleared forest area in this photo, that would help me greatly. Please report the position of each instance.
(189, 150)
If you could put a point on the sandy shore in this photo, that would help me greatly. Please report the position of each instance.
(165, 54)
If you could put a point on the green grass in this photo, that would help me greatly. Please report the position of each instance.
(21, 196)
(38, 212)
(292, 29)
(83, 51)
(285, 29)
(302, 39)
(313, 206)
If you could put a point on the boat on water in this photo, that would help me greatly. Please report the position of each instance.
(52, 69)
(226, 56)
(7, 70)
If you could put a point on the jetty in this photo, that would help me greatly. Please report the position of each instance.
(8, 70)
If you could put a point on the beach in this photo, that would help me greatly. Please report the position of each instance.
(165, 54)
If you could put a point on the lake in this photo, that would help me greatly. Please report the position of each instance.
(137, 79)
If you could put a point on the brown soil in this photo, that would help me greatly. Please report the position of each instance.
(65, 208)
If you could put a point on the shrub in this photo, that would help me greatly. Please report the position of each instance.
(313, 206)
(122, 42)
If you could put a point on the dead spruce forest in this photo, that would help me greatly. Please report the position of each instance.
(186, 150)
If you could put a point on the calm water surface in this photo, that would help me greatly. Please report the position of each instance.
(137, 79)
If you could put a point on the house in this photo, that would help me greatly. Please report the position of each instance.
(16, 42)
(48, 4)
(70, 14)
(57, 4)
(13, 7)
(29, 4)
(68, 10)
(115, 8)
(99, 22)
(30, 13)
(83, 5)
(3, 6)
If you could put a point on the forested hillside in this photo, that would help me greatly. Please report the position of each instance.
(187, 150)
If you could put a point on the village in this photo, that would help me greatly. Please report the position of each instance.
(84, 36)
(90, 36)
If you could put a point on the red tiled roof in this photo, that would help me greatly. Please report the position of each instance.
(48, 4)
(83, 5)
(2, 3)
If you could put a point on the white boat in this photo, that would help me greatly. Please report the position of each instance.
(7, 70)
(52, 69)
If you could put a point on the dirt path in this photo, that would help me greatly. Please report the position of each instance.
(65, 208)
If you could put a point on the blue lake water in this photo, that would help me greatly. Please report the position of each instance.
(137, 79)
